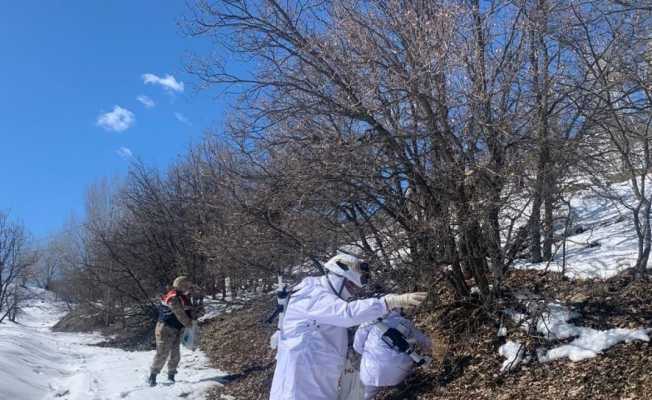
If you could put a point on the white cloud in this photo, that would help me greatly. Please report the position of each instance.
(124, 152)
(146, 101)
(182, 118)
(118, 120)
(168, 82)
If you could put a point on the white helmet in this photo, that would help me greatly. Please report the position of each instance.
(350, 268)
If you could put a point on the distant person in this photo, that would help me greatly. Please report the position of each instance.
(382, 365)
(175, 313)
(313, 340)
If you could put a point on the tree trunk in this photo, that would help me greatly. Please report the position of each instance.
(548, 228)
(473, 254)
(535, 228)
(539, 61)
(493, 242)
(232, 288)
(456, 277)
(644, 231)
(12, 312)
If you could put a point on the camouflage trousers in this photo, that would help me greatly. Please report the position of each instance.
(168, 342)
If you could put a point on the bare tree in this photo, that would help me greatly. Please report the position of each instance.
(365, 103)
(15, 261)
(51, 261)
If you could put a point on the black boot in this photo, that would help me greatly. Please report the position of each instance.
(152, 380)
(171, 376)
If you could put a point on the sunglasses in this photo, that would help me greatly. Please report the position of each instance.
(364, 269)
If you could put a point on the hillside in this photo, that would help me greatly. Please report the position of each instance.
(602, 241)
(609, 316)
(590, 341)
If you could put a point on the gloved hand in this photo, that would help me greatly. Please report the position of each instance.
(407, 300)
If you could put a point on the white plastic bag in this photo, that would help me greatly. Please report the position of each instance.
(190, 337)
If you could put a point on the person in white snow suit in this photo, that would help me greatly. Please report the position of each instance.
(313, 342)
(175, 313)
(381, 365)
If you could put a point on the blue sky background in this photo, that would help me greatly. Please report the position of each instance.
(63, 64)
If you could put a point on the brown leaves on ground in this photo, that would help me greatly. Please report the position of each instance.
(621, 372)
(238, 343)
(466, 361)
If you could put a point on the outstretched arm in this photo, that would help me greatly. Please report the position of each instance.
(330, 309)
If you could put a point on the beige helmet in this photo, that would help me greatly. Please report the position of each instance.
(182, 283)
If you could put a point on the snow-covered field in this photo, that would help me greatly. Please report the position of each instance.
(36, 364)
(608, 242)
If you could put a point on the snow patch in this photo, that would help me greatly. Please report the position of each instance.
(592, 342)
(588, 343)
(502, 331)
(213, 309)
(514, 353)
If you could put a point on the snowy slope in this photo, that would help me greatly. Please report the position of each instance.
(36, 364)
(604, 244)
(608, 226)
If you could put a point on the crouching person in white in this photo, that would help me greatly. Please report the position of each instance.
(312, 344)
(381, 365)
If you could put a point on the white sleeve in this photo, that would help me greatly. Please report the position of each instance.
(330, 309)
(361, 337)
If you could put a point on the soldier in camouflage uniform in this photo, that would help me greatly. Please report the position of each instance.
(175, 313)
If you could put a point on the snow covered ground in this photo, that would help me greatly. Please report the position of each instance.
(37, 364)
(608, 243)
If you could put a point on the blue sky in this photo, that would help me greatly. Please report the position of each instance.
(70, 78)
